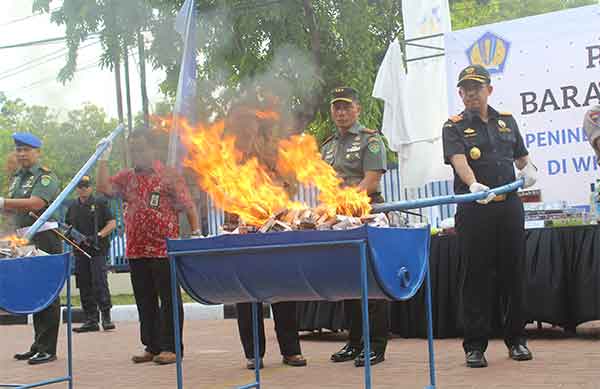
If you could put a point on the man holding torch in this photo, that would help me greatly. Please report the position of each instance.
(32, 189)
(154, 195)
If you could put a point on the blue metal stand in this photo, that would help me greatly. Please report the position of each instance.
(359, 244)
(176, 328)
(69, 377)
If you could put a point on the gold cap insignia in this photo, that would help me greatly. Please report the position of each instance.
(469, 70)
(475, 153)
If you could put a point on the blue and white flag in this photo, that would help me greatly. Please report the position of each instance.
(185, 100)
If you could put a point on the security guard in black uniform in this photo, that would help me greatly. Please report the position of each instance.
(91, 216)
(33, 188)
(483, 146)
(357, 154)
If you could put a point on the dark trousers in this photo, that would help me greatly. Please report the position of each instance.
(93, 285)
(492, 247)
(151, 281)
(46, 324)
(286, 328)
(378, 323)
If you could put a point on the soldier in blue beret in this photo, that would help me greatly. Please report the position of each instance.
(32, 188)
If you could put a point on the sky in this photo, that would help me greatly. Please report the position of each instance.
(30, 73)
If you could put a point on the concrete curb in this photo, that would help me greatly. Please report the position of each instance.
(128, 313)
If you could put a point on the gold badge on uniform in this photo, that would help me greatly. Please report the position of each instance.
(45, 180)
(475, 153)
(502, 126)
(469, 132)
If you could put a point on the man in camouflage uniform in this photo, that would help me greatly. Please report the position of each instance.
(33, 188)
(358, 156)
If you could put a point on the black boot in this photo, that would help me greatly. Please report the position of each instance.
(88, 326)
(107, 323)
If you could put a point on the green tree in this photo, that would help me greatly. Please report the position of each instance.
(471, 13)
(67, 143)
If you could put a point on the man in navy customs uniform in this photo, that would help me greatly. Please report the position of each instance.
(33, 188)
(483, 146)
(358, 156)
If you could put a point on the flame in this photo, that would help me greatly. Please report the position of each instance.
(14, 241)
(243, 188)
(241, 185)
(272, 115)
(299, 155)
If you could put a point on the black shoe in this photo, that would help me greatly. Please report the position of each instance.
(88, 326)
(107, 323)
(250, 364)
(40, 358)
(24, 356)
(375, 358)
(519, 352)
(475, 358)
(347, 353)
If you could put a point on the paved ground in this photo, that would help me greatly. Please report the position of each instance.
(214, 360)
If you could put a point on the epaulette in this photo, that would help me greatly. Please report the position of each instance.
(368, 131)
(504, 113)
(455, 118)
(327, 140)
(45, 169)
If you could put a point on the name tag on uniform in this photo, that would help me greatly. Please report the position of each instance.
(154, 200)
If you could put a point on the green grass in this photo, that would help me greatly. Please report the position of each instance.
(119, 299)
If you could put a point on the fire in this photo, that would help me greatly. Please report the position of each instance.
(14, 241)
(242, 188)
(245, 187)
(299, 155)
(267, 115)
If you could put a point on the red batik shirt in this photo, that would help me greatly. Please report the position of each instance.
(152, 199)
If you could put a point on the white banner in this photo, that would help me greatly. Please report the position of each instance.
(545, 71)
(416, 103)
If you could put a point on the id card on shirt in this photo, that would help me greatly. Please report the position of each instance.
(154, 200)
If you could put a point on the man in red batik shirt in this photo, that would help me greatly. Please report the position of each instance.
(153, 195)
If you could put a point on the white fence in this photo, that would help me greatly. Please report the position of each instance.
(391, 189)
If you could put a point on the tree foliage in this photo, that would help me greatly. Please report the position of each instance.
(303, 48)
(471, 13)
(68, 140)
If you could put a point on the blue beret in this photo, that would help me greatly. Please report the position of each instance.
(27, 139)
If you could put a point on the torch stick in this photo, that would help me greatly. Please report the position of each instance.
(69, 188)
(450, 199)
(61, 235)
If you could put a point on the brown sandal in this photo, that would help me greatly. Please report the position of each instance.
(294, 360)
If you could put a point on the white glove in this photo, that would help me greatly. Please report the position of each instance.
(529, 175)
(106, 154)
(476, 187)
(196, 234)
(1, 202)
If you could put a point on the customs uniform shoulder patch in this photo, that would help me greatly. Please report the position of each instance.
(374, 147)
(45, 180)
